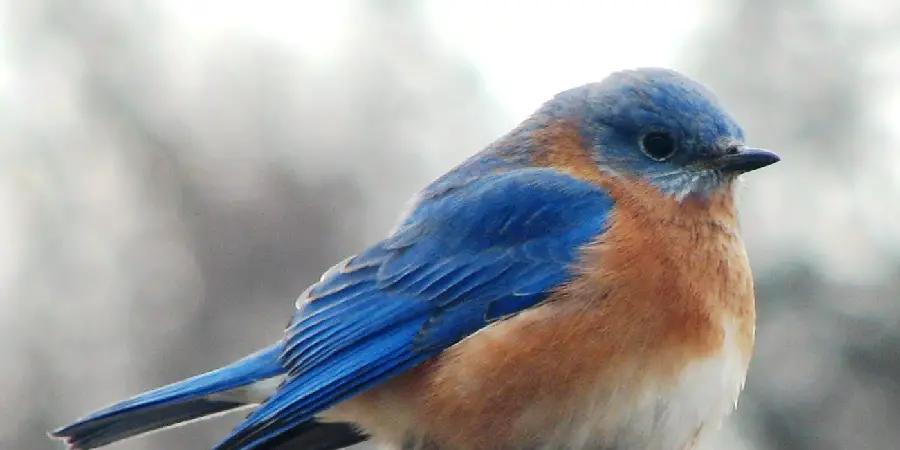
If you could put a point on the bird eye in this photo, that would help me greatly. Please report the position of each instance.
(658, 146)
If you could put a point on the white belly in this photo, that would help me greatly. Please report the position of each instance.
(670, 416)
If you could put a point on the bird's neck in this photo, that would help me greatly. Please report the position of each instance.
(712, 210)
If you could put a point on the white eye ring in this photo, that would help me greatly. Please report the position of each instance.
(658, 145)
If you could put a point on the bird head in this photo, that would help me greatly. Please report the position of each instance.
(662, 127)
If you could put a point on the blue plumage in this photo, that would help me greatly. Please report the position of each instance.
(173, 404)
(466, 256)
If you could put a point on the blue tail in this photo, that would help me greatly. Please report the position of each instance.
(173, 404)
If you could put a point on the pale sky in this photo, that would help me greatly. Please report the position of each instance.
(577, 40)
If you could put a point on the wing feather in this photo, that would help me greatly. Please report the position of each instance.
(474, 254)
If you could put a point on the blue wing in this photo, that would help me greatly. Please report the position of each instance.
(469, 254)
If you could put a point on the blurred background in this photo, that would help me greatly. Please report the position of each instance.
(173, 173)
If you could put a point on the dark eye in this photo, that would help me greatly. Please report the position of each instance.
(658, 145)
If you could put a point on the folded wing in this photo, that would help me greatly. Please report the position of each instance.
(466, 256)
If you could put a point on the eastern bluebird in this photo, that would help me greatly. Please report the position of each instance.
(578, 284)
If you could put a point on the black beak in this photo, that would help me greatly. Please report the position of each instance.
(745, 160)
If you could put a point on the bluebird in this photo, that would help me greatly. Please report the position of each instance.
(579, 284)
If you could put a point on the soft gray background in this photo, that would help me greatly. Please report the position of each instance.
(163, 202)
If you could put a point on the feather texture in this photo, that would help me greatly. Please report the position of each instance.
(466, 256)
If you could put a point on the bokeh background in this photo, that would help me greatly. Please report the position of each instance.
(174, 173)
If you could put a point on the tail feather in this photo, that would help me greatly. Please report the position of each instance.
(201, 396)
(106, 430)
